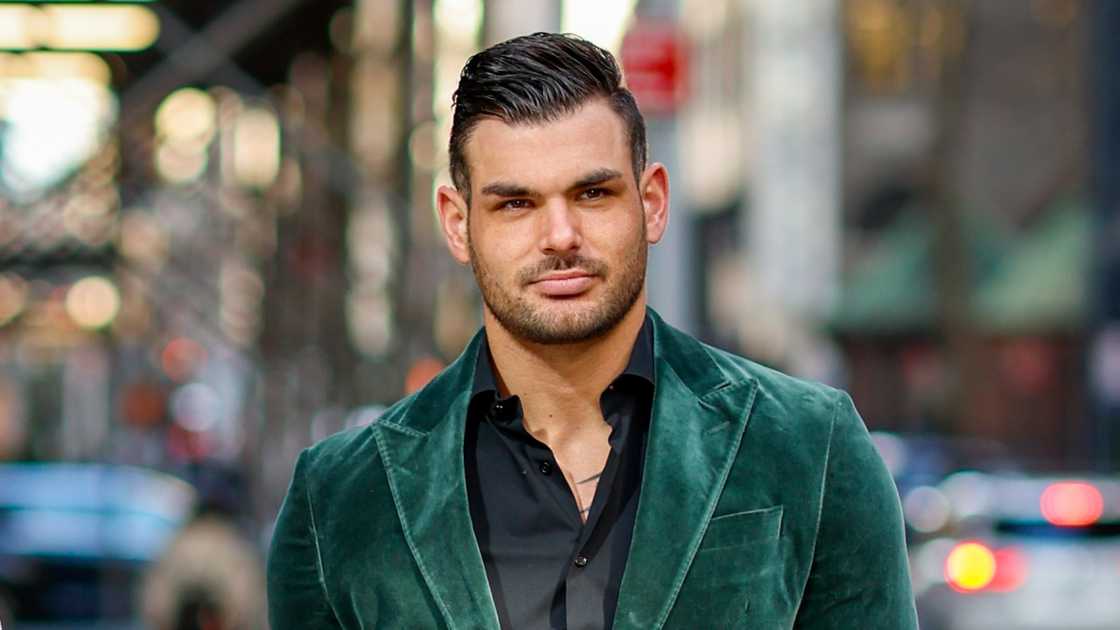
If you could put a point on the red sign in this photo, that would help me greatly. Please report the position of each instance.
(655, 65)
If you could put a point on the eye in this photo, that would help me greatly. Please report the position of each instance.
(594, 193)
(514, 204)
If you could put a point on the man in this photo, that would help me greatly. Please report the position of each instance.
(583, 464)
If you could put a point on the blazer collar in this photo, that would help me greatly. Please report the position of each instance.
(697, 422)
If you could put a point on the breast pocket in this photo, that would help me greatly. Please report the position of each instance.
(738, 561)
(743, 528)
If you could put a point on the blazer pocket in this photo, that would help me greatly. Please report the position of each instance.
(743, 528)
(739, 560)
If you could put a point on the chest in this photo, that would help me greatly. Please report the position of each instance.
(582, 463)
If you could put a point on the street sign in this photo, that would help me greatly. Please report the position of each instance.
(655, 65)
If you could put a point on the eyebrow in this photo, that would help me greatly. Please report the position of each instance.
(506, 189)
(597, 176)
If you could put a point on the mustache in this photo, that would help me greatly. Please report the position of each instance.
(550, 264)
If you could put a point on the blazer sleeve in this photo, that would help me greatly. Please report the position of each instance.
(860, 574)
(297, 596)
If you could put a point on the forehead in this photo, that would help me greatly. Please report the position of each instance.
(551, 153)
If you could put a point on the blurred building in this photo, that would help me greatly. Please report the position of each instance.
(967, 226)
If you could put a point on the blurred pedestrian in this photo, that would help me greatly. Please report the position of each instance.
(197, 608)
(209, 578)
(505, 493)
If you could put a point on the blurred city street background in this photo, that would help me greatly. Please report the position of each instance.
(218, 245)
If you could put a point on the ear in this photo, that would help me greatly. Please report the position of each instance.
(654, 191)
(453, 220)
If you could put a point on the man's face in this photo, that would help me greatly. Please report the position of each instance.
(557, 231)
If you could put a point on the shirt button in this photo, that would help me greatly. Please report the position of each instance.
(580, 561)
(546, 467)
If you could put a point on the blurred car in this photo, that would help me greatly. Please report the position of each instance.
(918, 462)
(1027, 553)
(76, 538)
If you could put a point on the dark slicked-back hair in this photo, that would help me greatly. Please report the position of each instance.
(535, 79)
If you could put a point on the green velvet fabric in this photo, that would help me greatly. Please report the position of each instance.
(763, 505)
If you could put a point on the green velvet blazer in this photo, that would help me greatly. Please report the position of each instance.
(763, 505)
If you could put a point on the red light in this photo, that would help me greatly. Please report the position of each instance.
(181, 357)
(1072, 504)
(1011, 570)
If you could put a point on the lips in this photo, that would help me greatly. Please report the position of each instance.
(564, 283)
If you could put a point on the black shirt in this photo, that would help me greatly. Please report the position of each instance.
(547, 569)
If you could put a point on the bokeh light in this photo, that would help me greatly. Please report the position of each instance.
(1011, 570)
(187, 115)
(93, 302)
(256, 147)
(53, 126)
(196, 407)
(77, 27)
(20, 25)
(99, 27)
(458, 20)
(55, 65)
(970, 567)
(177, 166)
(181, 358)
(968, 492)
(600, 21)
(1071, 504)
(186, 122)
(926, 509)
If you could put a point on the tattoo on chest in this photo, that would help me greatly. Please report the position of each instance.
(584, 492)
(590, 479)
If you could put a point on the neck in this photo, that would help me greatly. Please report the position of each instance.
(559, 384)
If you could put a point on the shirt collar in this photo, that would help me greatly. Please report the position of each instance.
(640, 364)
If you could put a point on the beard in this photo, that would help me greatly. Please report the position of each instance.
(541, 323)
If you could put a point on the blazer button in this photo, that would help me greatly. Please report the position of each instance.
(546, 467)
(580, 561)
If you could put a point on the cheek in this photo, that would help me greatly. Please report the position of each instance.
(501, 248)
(619, 239)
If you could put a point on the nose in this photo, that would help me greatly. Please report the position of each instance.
(560, 229)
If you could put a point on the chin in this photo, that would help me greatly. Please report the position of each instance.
(563, 324)
(557, 320)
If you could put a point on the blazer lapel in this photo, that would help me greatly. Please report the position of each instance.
(423, 454)
(697, 424)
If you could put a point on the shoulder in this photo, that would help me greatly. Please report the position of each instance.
(807, 421)
(339, 455)
(783, 398)
(330, 463)
(787, 418)
(354, 453)
(792, 402)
